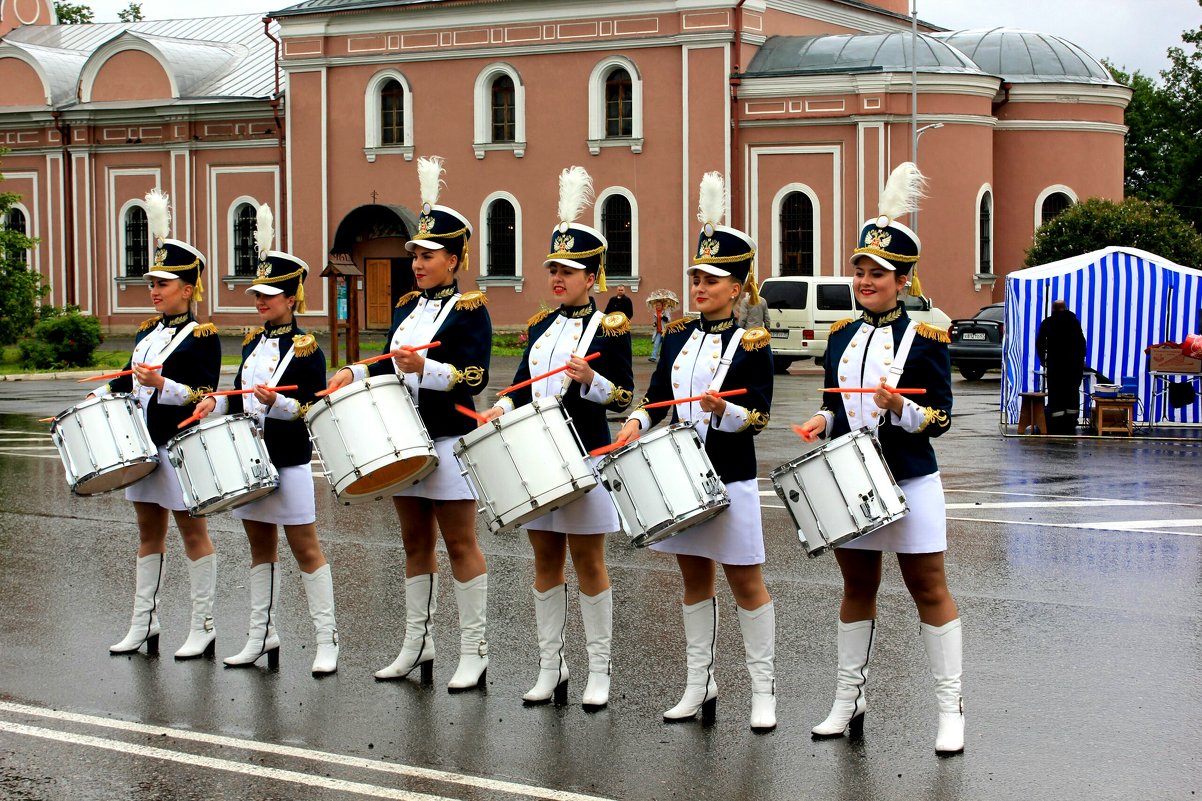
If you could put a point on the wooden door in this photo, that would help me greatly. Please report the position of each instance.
(379, 293)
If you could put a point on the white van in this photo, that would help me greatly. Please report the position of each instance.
(803, 307)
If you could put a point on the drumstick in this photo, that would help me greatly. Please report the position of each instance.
(189, 421)
(47, 419)
(291, 388)
(392, 353)
(894, 390)
(472, 413)
(530, 381)
(108, 376)
(694, 399)
(613, 446)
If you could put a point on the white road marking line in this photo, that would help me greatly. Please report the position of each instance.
(1053, 495)
(304, 753)
(1100, 526)
(1047, 504)
(150, 752)
(30, 455)
(1145, 525)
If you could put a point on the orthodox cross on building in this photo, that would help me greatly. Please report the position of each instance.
(374, 195)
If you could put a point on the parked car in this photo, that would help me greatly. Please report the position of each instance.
(803, 308)
(976, 343)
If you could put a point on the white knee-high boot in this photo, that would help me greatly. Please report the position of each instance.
(847, 713)
(550, 614)
(144, 623)
(944, 652)
(701, 691)
(759, 643)
(597, 614)
(472, 599)
(261, 639)
(202, 638)
(421, 602)
(319, 591)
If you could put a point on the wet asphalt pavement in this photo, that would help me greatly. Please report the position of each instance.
(1077, 565)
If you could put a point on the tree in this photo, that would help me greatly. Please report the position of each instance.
(72, 13)
(131, 13)
(1151, 137)
(1095, 223)
(1182, 83)
(20, 287)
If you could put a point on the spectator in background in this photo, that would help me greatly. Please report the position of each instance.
(620, 303)
(752, 315)
(1061, 348)
(660, 311)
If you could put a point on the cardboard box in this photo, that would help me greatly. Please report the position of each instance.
(1172, 360)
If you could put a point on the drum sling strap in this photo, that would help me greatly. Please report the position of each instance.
(175, 342)
(586, 340)
(899, 361)
(728, 356)
(447, 307)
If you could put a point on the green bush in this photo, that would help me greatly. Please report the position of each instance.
(62, 338)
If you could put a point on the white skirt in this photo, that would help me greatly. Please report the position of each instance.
(591, 513)
(290, 505)
(160, 487)
(922, 530)
(734, 537)
(446, 483)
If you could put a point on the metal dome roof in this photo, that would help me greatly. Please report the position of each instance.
(873, 52)
(1021, 56)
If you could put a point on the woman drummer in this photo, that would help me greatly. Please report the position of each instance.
(190, 356)
(700, 357)
(588, 390)
(279, 353)
(439, 379)
(884, 350)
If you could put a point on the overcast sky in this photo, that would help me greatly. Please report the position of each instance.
(1133, 34)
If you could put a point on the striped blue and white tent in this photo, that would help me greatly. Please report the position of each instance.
(1126, 299)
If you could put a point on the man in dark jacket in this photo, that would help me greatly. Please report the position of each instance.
(1061, 348)
(620, 302)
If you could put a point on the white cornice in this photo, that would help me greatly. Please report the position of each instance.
(1092, 94)
(854, 119)
(843, 16)
(868, 83)
(1072, 126)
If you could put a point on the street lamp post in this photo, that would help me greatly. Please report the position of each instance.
(918, 132)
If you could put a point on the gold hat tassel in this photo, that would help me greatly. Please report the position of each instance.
(464, 260)
(915, 286)
(601, 274)
(300, 294)
(753, 291)
(199, 295)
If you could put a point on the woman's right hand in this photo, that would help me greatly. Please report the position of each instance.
(813, 428)
(204, 408)
(628, 432)
(488, 415)
(340, 379)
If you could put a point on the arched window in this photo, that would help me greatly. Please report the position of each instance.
(619, 104)
(392, 113)
(245, 257)
(504, 110)
(137, 242)
(617, 223)
(15, 221)
(499, 111)
(1052, 205)
(797, 234)
(388, 115)
(615, 96)
(501, 257)
(985, 234)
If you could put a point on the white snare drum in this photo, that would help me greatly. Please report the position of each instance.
(371, 439)
(222, 463)
(104, 444)
(839, 492)
(525, 463)
(663, 483)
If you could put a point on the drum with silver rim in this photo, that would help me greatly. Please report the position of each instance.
(839, 492)
(525, 464)
(222, 463)
(663, 483)
(370, 439)
(104, 444)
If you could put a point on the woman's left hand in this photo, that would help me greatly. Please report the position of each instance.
(580, 371)
(712, 403)
(884, 399)
(407, 361)
(148, 378)
(265, 395)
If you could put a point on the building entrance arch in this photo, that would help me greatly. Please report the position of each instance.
(374, 237)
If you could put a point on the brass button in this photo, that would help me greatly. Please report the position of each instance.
(888, 346)
(847, 396)
(676, 367)
(845, 360)
(675, 385)
(888, 361)
(717, 355)
(874, 414)
(842, 378)
(538, 394)
(534, 361)
(854, 343)
(685, 352)
(851, 414)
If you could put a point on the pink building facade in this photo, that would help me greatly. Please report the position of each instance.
(805, 106)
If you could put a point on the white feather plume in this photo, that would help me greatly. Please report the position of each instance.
(711, 203)
(158, 215)
(903, 190)
(429, 178)
(264, 229)
(575, 192)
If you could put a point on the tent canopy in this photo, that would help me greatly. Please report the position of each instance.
(1126, 299)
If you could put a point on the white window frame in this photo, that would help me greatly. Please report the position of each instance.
(1039, 200)
(598, 212)
(231, 219)
(596, 106)
(18, 206)
(777, 202)
(483, 111)
(372, 146)
(122, 262)
(516, 280)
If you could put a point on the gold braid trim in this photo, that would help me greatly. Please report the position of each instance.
(615, 325)
(148, 324)
(304, 345)
(578, 254)
(839, 325)
(755, 338)
(677, 325)
(249, 338)
(621, 397)
(204, 330)
(759, 420)
(406, 298)
(884, 254)
(932, 332)
(194, 395)
(724, 259)
(932, 415)
(472, 376)
(541, 315)
(302, 410)
(471, 300)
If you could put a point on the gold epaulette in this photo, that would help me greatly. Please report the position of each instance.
(615, 324)
(678, 325)
(304, 344)
(406, 298)
(148, 324)
(541, 315)
(932, 332)
(249, 338)
(756, 338)
(839, 324)
(204, 330)
(471, 300)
